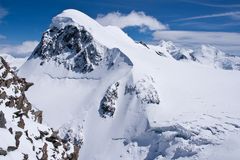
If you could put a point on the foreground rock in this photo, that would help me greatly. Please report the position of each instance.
(21, 130)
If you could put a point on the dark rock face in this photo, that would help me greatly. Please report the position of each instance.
(178, 56)
(144, 44)
(3, 152)
(25, 156)
(160, 53)
(75, 154)
(2, 120)
(71, 43)
(11, 148)
(193, 58)
(107, 105)
(44, 151)
(18, 135)
(74, 48)
(21, 123)
(38, 116)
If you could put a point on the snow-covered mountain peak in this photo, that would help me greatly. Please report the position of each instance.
(210, 55)
(169, 49)
(72, 43)
(102, 34)
(167, 44)
(74, 17)
(211, 51)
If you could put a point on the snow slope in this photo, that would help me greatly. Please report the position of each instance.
(124, 101)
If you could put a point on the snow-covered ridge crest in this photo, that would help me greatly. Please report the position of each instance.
(73, 17)
(101, 34)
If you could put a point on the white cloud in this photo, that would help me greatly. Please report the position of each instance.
(229, 42)
(139, 19)
(22, 50)
(226, 14)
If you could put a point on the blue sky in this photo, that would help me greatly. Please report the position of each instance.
(186, 22)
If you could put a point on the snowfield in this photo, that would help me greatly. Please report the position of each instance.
(125, 100)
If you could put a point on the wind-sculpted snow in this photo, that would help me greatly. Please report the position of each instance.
(176, 141)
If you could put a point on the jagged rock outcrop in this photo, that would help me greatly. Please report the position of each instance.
(144, 90)
(21, 123)
(144, 44)
(2, 120)
(108, 103)
(71, 46)
(3, 152)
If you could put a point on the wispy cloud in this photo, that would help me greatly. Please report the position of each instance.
(137, 19)
(208, 26)
(213, 5)
(2, 37)
(21, 50)
(226, 41)
(226, 14)
(3, 13)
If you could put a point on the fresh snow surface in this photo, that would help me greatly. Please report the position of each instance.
(165, 109)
